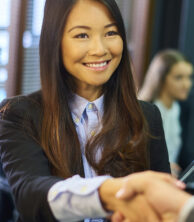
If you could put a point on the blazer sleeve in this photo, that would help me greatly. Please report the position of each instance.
(24, 162)
(158, 153)
(190, 217)
(159, 160)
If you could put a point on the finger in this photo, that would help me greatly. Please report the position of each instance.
(125, 192)
(128, 189)
(180, 185)
(161, 176)
(137, 182)
(117, 217)
(169, 179)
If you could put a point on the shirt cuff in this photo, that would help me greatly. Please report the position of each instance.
(77, 198)
(189, 205)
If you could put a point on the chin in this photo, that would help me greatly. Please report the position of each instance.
(98, 83)
(182, 98)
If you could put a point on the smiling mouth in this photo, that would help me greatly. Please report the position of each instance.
(97, 65)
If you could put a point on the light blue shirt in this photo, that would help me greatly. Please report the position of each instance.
(77, 198)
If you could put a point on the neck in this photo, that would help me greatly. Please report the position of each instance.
(166, 100)
(89, 94)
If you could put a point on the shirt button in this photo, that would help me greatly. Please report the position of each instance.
(90, 106)
(53, 194)
(92, 133)
(83, 189)
(77, 120)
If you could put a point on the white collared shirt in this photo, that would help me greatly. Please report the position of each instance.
(172, 128)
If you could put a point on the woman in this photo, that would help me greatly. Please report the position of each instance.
(169, 79)
(85, 121)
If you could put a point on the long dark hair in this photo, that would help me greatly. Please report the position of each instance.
(123, 137)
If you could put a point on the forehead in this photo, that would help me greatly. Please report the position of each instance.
(182, 68)
(89, 12)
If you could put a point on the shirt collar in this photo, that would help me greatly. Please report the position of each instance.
(78, 104)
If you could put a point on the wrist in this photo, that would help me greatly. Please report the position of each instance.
(107, 192)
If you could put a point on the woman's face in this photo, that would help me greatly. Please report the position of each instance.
(178, 81)
(91, 46)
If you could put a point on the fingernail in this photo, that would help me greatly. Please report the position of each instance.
(120, 193)
(180, 184)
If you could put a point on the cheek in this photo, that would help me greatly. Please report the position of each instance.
(65, 53)
(189, 83)
(169, 86)
(174, 86)
(116, 48)
(175, 89)
(69, 56)
(72, 52)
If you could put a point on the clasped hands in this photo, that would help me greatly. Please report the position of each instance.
(144, 197)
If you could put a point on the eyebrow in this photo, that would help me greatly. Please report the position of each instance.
(87, 27)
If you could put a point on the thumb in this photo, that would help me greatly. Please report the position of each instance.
(125, 194)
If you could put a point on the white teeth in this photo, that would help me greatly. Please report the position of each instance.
(95, 65)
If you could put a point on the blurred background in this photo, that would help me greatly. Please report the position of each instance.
(151, 25)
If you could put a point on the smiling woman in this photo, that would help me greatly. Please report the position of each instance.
(85, 122)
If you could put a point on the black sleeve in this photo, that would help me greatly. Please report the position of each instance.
(186, 155)
(23, 160)
(190, 217)
(157, 149)
(159, 160)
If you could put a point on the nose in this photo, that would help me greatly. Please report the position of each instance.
(97, 47)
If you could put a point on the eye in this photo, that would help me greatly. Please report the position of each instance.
(111, 33)
(81, 36)
(178, 77)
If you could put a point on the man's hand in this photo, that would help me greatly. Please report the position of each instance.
(134, 210)
(131, 201)
(161, 191)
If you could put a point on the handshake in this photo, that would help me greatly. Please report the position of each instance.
(147, 197)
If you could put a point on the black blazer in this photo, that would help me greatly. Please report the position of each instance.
(26, 166)
(190, 217)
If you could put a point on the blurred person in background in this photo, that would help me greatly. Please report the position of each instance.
(168, 80)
